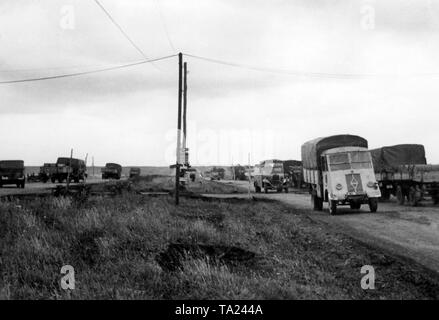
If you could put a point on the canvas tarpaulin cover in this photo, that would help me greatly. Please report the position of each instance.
(312, 150)
(388, 158)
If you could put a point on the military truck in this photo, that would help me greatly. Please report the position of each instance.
(134, 172)
(294, 172)
(269, 175)
(74, 169)
(111, 171)
(46, 171)
(402, 171)
(12, 172)
(339, 171)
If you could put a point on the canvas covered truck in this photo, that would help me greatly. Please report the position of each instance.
(12, 172)
(74, 169)
(111, 171)
(402, 171)
(269, 175)
(339, 170)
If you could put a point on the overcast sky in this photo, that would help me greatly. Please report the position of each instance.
(129, 116)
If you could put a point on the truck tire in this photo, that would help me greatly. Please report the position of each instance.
(400, 195)
(373, 204)
(23, 184)
(257, 189)
(332, 207)
(286, 190)
(53, 180)
(265, 188)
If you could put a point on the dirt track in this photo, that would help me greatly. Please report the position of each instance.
(411, 232)
(37, 187)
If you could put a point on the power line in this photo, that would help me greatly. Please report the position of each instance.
(121, 30)
(307, 74)
(88, 72)
(162, 18)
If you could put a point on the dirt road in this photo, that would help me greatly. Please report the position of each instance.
(411, 232)
(37, 187)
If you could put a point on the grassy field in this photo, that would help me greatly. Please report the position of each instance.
(131, 246)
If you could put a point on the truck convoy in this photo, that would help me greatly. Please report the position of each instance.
(71, 168)
(12, 172)
(269, 175)
(402, 171)
(339, 171)
(111, 171)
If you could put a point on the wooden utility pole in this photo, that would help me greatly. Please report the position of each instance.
(177, 166)
(184, 110)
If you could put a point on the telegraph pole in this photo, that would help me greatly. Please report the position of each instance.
(177, 166)
(184, 110)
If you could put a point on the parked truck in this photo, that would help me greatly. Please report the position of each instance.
(134, 172)
(339, 170)
(294, 172)
(270, 175)
(12, 172)
(46, 172)
(71, 168)
(402, 171)
(111, 171)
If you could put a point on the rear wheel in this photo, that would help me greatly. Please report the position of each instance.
(286, 190)
(265, 188)
(332, 207)
(373, 204)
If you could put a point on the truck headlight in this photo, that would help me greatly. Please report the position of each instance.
(373, 185)
(338, 186)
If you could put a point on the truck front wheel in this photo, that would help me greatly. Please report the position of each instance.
(373, 204)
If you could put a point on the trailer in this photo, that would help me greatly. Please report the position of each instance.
(402, 171)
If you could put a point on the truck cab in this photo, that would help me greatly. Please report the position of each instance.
(134, 172)
(12, 172)
(349, 179)
(111, 171)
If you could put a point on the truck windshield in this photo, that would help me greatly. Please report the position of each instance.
(350, 160)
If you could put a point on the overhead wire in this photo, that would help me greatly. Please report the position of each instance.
(118, 26)
(305, 73)
(59, 76)
(165, 28)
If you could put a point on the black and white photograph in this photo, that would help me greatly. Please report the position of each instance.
(219, 154)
